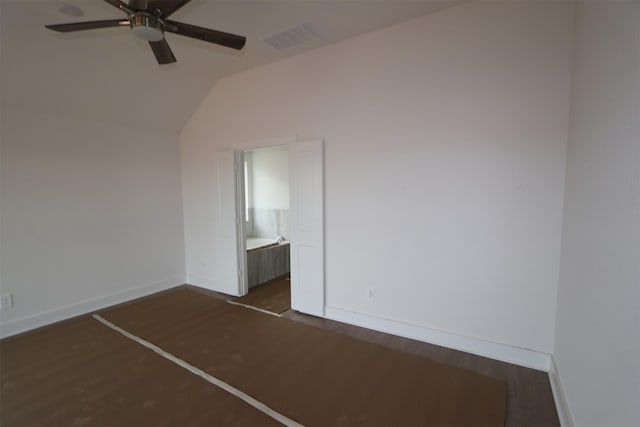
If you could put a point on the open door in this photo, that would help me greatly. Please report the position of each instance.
(306, 178)
(230, 258)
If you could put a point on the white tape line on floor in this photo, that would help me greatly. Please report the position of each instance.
(199, 372)
(254, 308)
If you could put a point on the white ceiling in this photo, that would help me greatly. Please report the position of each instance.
(110, 75)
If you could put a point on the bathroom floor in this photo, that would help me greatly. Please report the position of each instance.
(273, 296)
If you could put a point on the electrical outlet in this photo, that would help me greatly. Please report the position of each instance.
(6, 301)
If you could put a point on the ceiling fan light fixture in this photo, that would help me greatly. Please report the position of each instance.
(146, 28)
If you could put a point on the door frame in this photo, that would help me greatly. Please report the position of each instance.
(243, 287)
(243, 283)
(243, 274)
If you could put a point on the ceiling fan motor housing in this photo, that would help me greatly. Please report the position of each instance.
(146, 27)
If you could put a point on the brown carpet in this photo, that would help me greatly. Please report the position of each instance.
(82, 373)
(273, 296)
(313, 376)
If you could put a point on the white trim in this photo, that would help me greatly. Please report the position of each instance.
(562, 405)
(202, 374)
(201, 282)
(241, 241)
(250, 145)
(506, 353)
(205, 283)
(27, 323)
(254, 308)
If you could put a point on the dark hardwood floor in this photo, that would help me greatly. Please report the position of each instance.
(529, 397)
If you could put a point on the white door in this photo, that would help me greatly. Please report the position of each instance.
(306, 181)
(229, 227)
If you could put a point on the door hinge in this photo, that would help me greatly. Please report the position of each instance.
(239, 272)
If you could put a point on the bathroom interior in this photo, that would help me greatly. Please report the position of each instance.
(266, 191)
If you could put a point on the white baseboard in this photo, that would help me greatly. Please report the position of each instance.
(506, 353)
(562, 406)
(27, 323)
(210, 284)
(201, 282)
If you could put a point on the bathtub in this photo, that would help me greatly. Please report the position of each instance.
(260, 242)
(266, 259)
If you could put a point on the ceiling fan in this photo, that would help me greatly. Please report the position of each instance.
(148, 20)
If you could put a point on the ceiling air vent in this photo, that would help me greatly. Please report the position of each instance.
(294, 36)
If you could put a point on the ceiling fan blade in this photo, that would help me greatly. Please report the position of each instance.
(135, 4)
(212, 36)
(162, 51)
(88, 25)
(167, 7)
(120, 5)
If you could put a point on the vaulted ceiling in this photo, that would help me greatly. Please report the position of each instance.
(111, 75)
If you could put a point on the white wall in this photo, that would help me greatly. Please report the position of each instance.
(597, 346)
(270, 178)
(91, 215)
(445, 142)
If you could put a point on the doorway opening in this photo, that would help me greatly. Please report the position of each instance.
(305, 233)
(266, 229)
